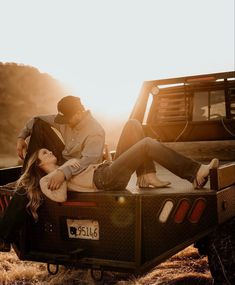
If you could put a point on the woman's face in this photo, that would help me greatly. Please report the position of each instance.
(46, 157)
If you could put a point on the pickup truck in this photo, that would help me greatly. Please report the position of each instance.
(135, 229)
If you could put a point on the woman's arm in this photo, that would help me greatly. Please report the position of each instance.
(58, 195)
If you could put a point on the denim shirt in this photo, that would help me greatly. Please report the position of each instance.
(85, 141)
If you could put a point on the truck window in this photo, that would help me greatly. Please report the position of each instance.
(208, 105)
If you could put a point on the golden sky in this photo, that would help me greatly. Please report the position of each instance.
(103, 50)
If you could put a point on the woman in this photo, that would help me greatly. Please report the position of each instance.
(108, 176)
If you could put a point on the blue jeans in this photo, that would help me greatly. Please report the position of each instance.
(131, 134)
(116, 175)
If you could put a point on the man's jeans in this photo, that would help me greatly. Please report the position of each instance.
(117, 175)
(42, 137)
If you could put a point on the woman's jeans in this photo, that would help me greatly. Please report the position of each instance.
(131, 134)
(117, 175)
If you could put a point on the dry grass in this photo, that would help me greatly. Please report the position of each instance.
(186, 267)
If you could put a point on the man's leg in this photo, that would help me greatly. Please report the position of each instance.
(14, 217)
(43, 136)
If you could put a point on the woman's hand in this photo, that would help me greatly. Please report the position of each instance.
(56, 180)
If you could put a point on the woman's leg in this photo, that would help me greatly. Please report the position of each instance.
(131, 134)
(146, 173)
(119, 172)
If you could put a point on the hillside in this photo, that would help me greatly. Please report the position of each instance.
(24, 92)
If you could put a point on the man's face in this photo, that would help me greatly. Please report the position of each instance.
(75, 119)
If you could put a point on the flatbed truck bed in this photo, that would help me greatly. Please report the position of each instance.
(130, 230)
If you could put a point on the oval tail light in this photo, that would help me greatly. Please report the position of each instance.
(166, 211)
(197, 211)
(181, 211)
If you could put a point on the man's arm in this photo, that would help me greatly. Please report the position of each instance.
(92, 153)
(58, 176)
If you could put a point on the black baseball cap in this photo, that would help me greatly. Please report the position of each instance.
(67, 107)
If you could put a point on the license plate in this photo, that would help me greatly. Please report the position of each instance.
(83, 229)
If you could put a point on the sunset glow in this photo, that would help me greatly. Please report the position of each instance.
(103, 50)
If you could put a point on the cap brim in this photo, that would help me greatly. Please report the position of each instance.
(59, 119)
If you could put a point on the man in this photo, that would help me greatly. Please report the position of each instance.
(72, 133)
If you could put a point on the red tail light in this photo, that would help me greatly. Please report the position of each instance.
(181, 211)
(197, 211)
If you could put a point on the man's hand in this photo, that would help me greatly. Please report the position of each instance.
(21, 148)
(56, 180)
(74, 162)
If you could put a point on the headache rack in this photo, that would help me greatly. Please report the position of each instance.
(191, 108)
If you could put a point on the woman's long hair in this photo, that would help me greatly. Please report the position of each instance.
(30, 181)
